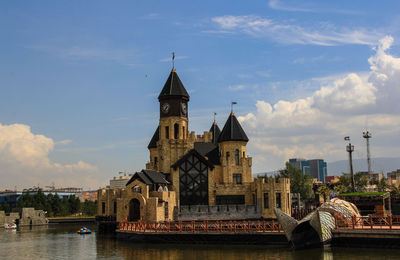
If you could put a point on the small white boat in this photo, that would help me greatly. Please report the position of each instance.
(10, 226)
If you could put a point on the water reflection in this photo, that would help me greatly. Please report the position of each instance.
(62, 242)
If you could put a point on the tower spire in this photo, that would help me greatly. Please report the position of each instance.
(173, 61)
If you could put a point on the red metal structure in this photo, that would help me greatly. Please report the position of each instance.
(207, 226)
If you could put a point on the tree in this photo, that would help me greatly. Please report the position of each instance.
(340, 188)
(299, 182)
(325, 191)
(382, 185)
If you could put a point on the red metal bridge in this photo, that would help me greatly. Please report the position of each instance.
(251, 226)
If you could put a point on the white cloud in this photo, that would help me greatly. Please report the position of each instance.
(287, 33)
(314, 126)
(295, 7)
(24, 161)
(237, 87)
(64, 142)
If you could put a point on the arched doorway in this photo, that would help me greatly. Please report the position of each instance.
(134, 210)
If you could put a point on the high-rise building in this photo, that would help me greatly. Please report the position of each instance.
(317, 168)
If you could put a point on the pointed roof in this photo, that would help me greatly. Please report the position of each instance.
(215, 132)
(232, 130)
(173, 87)
(154, 139)
(149, 177)
(190, 153)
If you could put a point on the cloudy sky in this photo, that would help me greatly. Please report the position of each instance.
(79, 81)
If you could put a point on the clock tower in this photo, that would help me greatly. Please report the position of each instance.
(172, 131)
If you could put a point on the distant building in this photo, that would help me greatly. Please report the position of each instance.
(394, 177)
(11, 197)
(119, 182)
(331, 179)
(317, 168)
(88, 195)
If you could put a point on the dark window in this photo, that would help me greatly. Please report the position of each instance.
(237, 178)
(266, 201)
(193, 182)
(244, 155)
(166, 210)
(176, 131)
(227, 156)
(288, 202)
(167, 132)
(183, 132)
(278, 200)
(237, 157)
(155, 161)
(230, 200)
(115, 207)
(103, 207)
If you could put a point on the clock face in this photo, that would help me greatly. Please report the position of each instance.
(165, 108)
(184, 108)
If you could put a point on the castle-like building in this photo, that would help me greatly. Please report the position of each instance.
(192, 176)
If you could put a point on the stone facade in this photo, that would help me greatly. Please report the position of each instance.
(26, 216)
(209, 175)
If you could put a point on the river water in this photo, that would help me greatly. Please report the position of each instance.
(62, 242)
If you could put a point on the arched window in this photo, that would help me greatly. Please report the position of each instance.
(183, 132)
(167, 132)
(176, 131)
(237, 157)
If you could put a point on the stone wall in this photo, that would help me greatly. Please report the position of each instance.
(217, 212)
(30, 216)
(27, 216)
(2, 218)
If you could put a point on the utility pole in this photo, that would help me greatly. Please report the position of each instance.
(350, 149)
(367, 135)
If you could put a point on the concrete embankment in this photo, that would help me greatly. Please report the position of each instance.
(370, 238)
(72, 220)
(205, 238)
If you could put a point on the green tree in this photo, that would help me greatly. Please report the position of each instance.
(382, 185)
(325, 191)
(340, 188)
(89, 208)
(299, 182)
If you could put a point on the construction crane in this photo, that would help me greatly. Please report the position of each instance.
(367, 135)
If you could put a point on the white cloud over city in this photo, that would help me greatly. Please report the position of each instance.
(24, 159)
(314, 126)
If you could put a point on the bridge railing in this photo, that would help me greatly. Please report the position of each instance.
(368, 222)
(207, 226)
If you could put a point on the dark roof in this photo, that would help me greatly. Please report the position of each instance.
(190, 153)
(232, 130)
(173, 87)
(149, 177)
(208, 150)
(215, 132)
(154, 139)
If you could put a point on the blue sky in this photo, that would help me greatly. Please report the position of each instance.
(85, 76)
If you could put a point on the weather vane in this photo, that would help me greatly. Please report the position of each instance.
(214, 116)
(173, 60)
(233, 103)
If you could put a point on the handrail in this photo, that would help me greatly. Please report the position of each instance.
(368, 222)
(207, 226)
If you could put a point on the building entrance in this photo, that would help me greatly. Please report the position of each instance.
(134, 210)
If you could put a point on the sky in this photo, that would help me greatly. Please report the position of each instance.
(79, 81)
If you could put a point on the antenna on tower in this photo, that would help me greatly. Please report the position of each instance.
(367, 135)
(350, 150)
(173, 60)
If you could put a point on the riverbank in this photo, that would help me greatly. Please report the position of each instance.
(72, 220)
